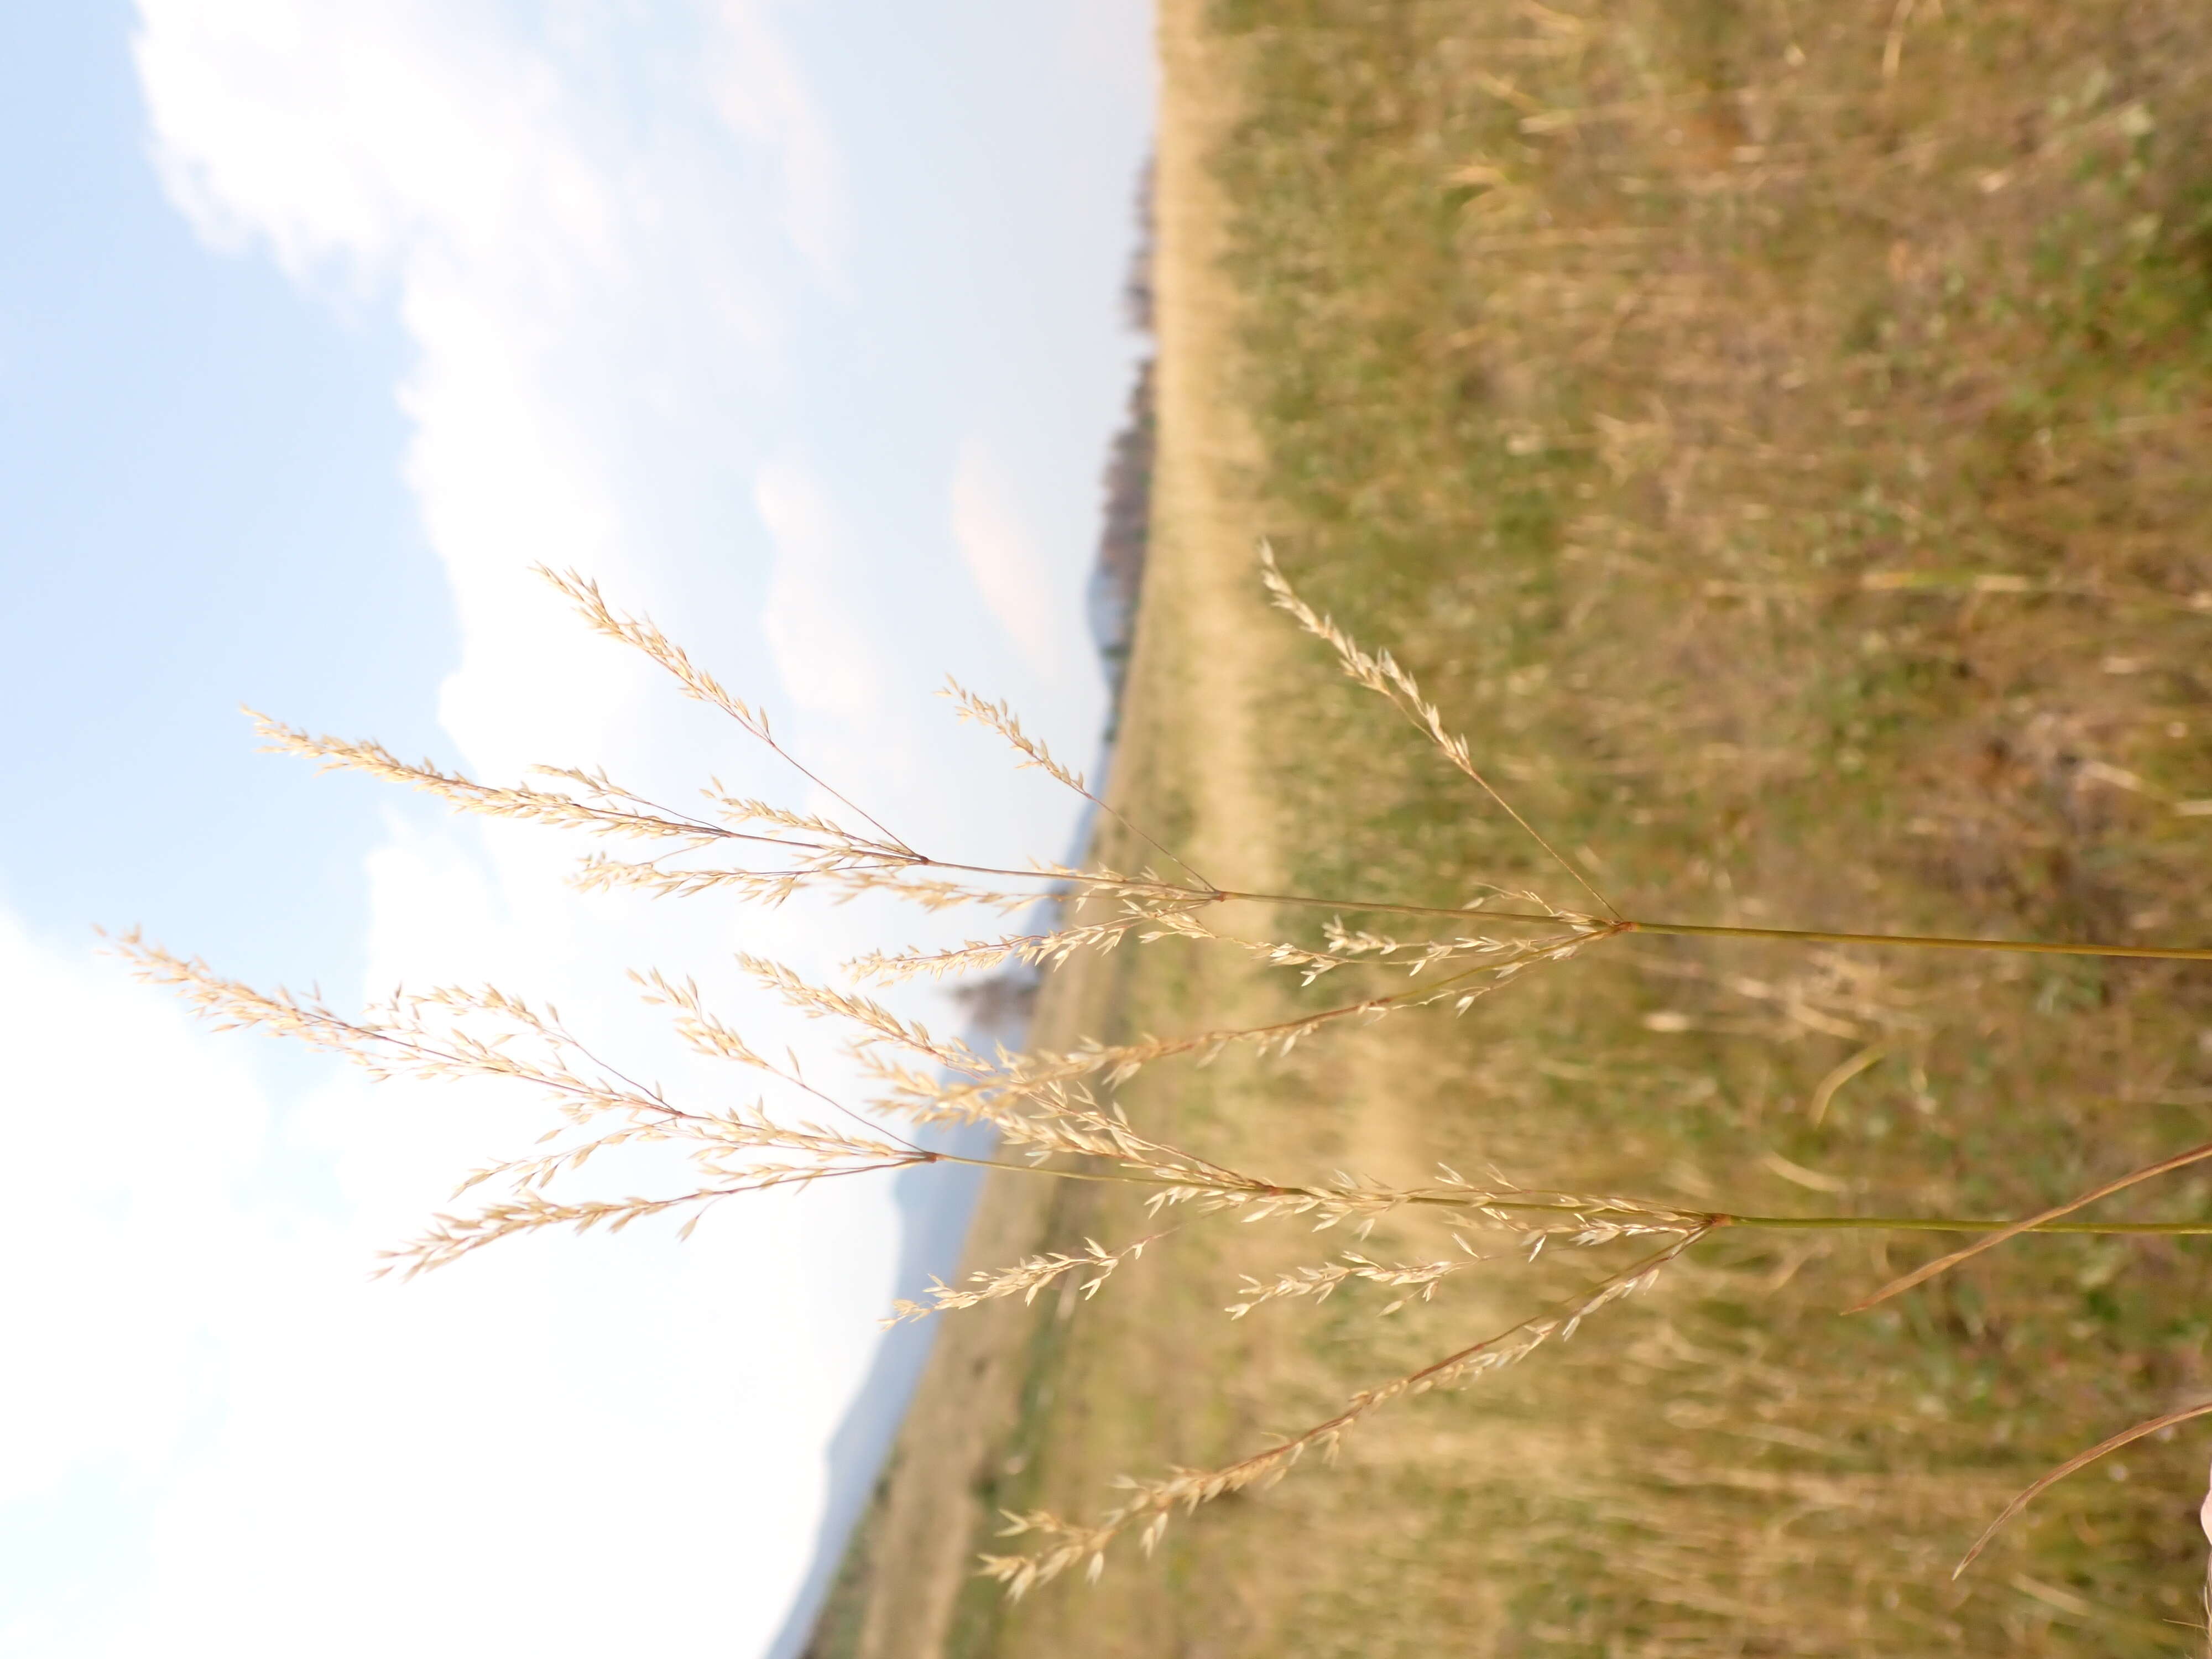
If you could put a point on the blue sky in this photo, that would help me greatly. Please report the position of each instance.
(796, 324)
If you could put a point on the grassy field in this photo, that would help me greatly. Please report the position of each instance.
(1779, 436)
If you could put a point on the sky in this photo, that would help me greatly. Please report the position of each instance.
(795, 324)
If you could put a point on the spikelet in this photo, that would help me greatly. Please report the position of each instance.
(1417, 1278)
(1380, 673)
(1034, 949)
(1002, 719)
(640, 634)
(603, 808)
(1025, 1279)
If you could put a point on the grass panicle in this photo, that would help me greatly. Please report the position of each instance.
(1053, 1113)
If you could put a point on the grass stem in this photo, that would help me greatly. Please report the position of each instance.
(1709, 1219)
(1927, 941)
(1707, 929)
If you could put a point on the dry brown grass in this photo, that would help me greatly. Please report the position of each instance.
(1720, 507)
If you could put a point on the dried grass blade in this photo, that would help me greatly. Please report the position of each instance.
(2080, 1459)
(1873, 1055)
(1944, 1264)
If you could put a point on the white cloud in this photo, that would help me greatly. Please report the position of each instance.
(760, 93)
(359, 134)
(1003, 558)
(127, 1139)
(822, 650)
(583, 282)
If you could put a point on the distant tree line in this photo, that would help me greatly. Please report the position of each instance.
(1119, 575)
(997, 1006)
